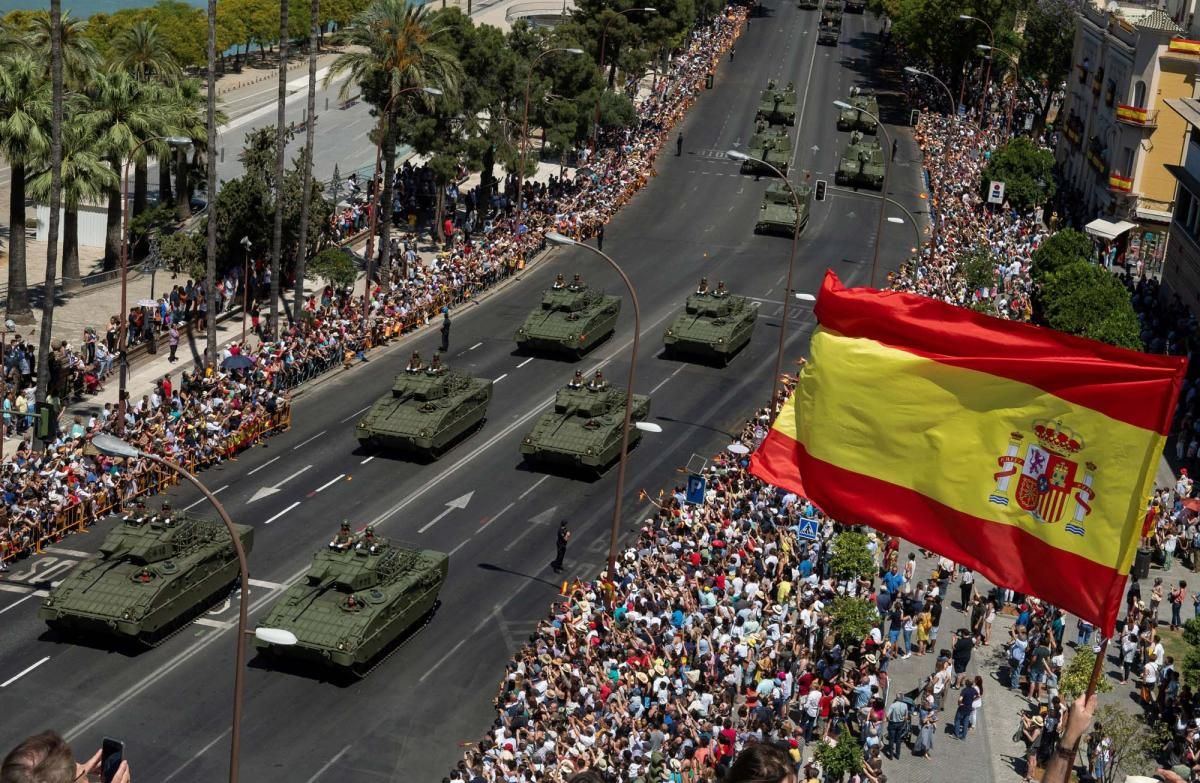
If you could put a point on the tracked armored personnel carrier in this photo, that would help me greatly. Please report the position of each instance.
(773, 145)
(828, 33)
(831, 12)
(853, 119)
(360, 595)
(713, 326)
(850, 167)
(809, 5)
(777, 107)
(777, 215)
(572, 319)
(429, 409)
(153, 574)
(856, 6)
(584, 428)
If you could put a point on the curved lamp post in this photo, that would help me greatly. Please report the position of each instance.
(987, 74)
(741, 156)
(525, 121)
(115, 447)
(373, 211)
(949, 95)
(123, 335)
(887, 173)
(559, 239)
(603, 86)
(1016, 62)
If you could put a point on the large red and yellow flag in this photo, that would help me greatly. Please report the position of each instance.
(1024, 453)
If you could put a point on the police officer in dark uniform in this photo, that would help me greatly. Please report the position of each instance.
(445, 329)
(679, 145)
(560, 546)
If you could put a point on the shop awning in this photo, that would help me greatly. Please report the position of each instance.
(1106, 229)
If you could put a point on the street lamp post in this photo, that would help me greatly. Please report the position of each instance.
(559, 239)
(987, 74)
(9, 326)
(525, 120)
(887, 172)
(374, 206)
(603, 86)
(949, 95)
(1017, 67)
(115, 447)
(246, 244)
(123, 335)
(741, 156)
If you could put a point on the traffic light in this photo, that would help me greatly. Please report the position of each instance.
(46, 424)
(821, 185)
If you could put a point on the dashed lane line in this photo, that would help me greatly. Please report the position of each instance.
(28, 669)
(502, 377)
(536, 484)
(314, 437)
(331, 482)
(363, 409)
(527, 361)
(281, 513)
(192, 505)
(260, 467)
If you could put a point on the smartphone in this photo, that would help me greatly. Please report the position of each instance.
(112, 753)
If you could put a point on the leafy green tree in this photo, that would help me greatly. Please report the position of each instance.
(837, 761)
(1136, 746)
(143, 53)
(851, 619)
(1046, 54)
(1061, 249)
(334, 266)
(24, 138)
(1076, 675)
(851, 558)
(1087, 300)
(181, 28)
(1026, 170)
(977, 267)
(183, 252)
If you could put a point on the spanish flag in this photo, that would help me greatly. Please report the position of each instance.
(1021, 452)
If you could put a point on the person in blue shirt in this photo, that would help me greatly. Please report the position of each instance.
(893, 580)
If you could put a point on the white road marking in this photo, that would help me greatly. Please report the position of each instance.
(16, 677)
(803, 106)
(260, 467)
(5, 588)
(473, 347)
(663, 382)
(195, 756)
(536, 484)
(460, 546)
(348, 418)
(297, 473)
(310, 440)
(68, 552)
(456, 503)
(433, 668)
(497, 515)
(527, 361)
(266, 584)
(208, 622)
(14, 603)
(502, 377)
(190, 506)
(328, 764)
(281, 513)
(368, 459)
(528, 529)
(331, 482)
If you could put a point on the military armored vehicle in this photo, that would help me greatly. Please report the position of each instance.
(361, 593)
(773, 145)
(153, 574)
(856, 6)
(430, 408)
(852, 119)
(828, 33)
(714, 325)
(809, 5)
(584, 429)
(862, 163)
(777, 107)
(572, 319)
(777, 215)
(831, 13)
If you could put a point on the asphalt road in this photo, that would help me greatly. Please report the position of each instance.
(405, 722)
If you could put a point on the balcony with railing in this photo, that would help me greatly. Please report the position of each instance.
(1073, 130)
(1097, 156)
(1120, 184)
(1137, 116)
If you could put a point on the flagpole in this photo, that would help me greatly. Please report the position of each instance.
(1067, 756)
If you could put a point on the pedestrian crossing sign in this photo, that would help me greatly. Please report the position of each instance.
(695, 489)
(807, 529)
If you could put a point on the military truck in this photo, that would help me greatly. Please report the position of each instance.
(809, 5)
(856, 6)
(776, 106)
(359, 596)
(430, 408)
(777, 215)
(572, 319)
(583, 430)
(714, 325)
(853, 119)
(772, 145)
(153, 574)
(828, 33)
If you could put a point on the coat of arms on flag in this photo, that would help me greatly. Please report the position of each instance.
(1049, 482)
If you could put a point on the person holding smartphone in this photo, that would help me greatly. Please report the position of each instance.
(47, 757)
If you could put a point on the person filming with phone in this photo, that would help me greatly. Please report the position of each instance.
(47, 758)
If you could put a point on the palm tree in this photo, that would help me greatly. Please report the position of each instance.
(140, 51)
(86, 178)
(124, 118)
(186, 110)
(57, 98)
(393, 50)
(210, 130)
(25, 107)
(306, 161)
(79, 53)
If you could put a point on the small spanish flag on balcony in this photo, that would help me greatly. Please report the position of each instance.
(1021, 452)
(1183, 46)
(1132, 113)
(1117, 182)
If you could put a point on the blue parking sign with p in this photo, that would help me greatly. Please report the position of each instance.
(695, 489)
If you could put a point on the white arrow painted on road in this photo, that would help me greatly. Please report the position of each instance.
(459, 502)
(543, 518)
(266, 492)
(815, 148)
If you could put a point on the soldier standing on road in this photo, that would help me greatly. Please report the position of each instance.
(600, 237)
(679, 145)
(732, 49)
(445, 329)
(560, 545)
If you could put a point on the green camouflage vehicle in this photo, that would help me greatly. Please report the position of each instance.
(777, 107)
(850, 167)
(430, 408)
(856, 6)
(360, 595)
(832, 13)
(853, 119)
(828, 33)
(809, 5)
(153, 574)
(777, 215)
(713, 325)
(873, 168)
(583, 431)
(572, 319)
(773, 145)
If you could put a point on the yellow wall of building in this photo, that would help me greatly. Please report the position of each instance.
(1175, 80)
